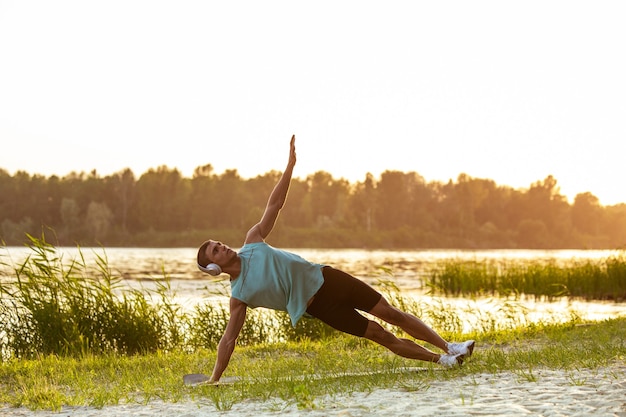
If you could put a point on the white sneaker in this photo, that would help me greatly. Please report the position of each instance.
(450, 361)
(463, 348)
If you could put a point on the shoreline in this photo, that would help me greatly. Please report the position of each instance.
(546, 392)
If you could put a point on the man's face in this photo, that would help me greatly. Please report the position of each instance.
(218, 253)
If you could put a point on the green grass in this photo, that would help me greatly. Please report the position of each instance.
(280, 370)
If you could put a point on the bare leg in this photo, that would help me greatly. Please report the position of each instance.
(403, 347)
(409, 323)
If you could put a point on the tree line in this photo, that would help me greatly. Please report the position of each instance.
(162, 208)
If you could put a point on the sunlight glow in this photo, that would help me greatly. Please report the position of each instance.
(505, 91)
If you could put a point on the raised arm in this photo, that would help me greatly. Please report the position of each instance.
(226, 346)
(262, 229)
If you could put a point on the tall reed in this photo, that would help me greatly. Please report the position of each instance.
(589, 280)
(50, 306)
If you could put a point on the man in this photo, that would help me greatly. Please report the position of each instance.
(263, 276)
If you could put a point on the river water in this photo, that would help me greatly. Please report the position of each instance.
(145, 267)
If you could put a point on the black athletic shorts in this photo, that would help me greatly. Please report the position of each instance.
(337, 301)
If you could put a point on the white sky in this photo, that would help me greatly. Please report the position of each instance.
(511, 91)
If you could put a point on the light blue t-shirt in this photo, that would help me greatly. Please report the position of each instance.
(276, 279)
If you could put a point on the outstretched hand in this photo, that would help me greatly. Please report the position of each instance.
(292, 151)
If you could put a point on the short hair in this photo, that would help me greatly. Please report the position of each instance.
(202, 258)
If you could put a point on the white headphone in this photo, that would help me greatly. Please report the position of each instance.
(211, 269)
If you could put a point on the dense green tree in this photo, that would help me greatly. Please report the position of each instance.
(587, 213)
(162, 197)
(122, 185)
(614, 227)
(231, 201)
(70, 218)
(392, 198)
(361, 205)
(98, 220)
(202, 200)
(327, 199)
(398, 209)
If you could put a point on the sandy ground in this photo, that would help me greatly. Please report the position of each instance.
(598, 392)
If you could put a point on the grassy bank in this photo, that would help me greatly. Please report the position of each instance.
(285, 370)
